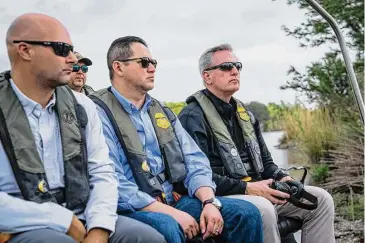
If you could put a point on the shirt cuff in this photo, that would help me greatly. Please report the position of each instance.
(201, 181)
(60, 217)
(103, 222)
(140, 200)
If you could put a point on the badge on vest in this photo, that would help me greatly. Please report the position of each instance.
(162, 121)
(234, 152)
(145, 167)
(243, 113)
(42, 186)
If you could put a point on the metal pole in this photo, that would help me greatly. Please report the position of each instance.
(345, 53)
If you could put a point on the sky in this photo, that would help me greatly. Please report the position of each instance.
(177, 33)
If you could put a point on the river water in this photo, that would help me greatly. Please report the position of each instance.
(280, 156)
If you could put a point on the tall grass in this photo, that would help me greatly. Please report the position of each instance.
(313, 131)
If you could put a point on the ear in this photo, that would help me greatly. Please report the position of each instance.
(24, 51)
(207, 78)
(117, 68)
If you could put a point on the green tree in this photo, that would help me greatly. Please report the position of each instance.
(259, 110)
(176, 107)
(325, 82)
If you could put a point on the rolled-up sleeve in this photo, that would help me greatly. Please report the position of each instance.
(18, 215)
(130, 197)
(101, 208)
(199, 173)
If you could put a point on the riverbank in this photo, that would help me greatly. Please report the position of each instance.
(349, 206)
(346, 229)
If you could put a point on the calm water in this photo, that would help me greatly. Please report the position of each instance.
(280, 156)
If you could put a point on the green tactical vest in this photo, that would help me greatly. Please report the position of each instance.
(87, 90)
(227, 149)
(20, 147)
(126, 132)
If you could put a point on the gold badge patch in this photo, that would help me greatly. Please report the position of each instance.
(145, 166)
(243, 113)
(162, 121)
(42, 186)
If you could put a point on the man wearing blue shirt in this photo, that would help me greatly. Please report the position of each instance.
(157, 161)
(57, 183)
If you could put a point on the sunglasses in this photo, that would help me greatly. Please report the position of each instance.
(226, 66)
(76, 68)
(60, 48)
(145, 61)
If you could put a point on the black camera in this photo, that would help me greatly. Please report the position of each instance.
(296, 191)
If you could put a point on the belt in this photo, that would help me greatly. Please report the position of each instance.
(161, 177)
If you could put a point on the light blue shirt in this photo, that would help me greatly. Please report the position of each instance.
(199, 173)
(18, 215)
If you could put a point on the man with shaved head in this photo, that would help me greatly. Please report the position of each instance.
(57, 182)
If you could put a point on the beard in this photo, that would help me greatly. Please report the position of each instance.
(53, 81)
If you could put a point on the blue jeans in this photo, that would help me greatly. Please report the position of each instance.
(242, 220)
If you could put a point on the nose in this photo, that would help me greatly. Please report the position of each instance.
(71, 58)
(151, 68)
(234, 71)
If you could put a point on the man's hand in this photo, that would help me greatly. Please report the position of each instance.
(286, 178)
(77, 230)
(97, 236)
(211, 221)
(261, 188)
(187, 223)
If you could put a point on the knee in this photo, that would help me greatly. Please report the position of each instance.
(325, 200)
(267, 210)
(170, 229)
(131, 230)
(142, 234)
(42, 236)
(249, 213)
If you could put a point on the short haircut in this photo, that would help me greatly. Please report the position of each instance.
(120, 49)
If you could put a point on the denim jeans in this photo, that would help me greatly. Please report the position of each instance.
(242, 220)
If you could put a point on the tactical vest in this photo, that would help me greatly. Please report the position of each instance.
(228, 152)
(87, 90)
(20, 147)
(126, 132)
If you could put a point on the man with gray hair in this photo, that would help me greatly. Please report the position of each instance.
(242, 165)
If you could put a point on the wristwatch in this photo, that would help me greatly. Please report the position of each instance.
(216, 203)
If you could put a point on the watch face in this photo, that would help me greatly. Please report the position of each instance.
(217, 203)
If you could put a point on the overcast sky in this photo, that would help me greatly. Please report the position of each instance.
(177, 33)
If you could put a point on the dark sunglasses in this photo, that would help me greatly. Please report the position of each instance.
(145, 61)
(76, 68)
(226, 66)
(60, 48)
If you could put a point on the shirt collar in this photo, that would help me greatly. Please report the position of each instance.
(127, 105)
(30, 105)
(224, 109)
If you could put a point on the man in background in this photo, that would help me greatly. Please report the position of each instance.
(79, 75)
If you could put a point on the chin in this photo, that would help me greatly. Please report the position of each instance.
(148, 87)
(62, 82)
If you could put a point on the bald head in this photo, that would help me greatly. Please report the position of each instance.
(34, 26)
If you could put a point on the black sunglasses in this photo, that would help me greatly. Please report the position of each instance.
(76, 68)
(145, 61)
(226, 66)
(60, 48)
